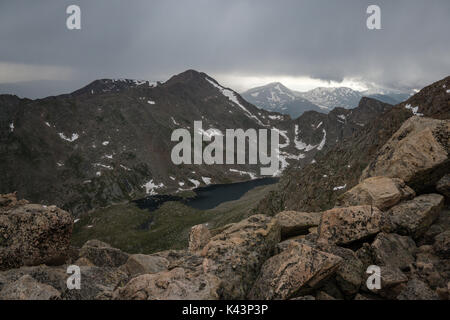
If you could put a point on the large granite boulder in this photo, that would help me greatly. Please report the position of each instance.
(294, 223)
(416, 289)
(32, 234)
(237, 254)
(102, 254)
(138, 264)
(381, 192)
(294, 271)
(27, 288)
(414, 217)
(345, 225)
(176, 284)
(417, 153)
(443, 186)
(390, 249)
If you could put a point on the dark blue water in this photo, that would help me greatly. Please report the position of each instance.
(211, 196)
(207, 197)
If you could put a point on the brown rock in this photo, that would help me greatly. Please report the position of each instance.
(443, 186)
(237, 254)
(176, 284)
(417, 290)
(381, 192)
(297, 269)
(349, 275)
(294, 223)
(102, 254)
(141, 264)
(27, 288)
(441, 245)
(32, 234)
(198, 237)
(346, 225)
(393, 250)
(414, 217)
(417, 153)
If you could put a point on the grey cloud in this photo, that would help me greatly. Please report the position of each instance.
(154, 39)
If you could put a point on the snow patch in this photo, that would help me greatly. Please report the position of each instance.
(196, 183)
(252, 175)
(206, 180)
(414, 110)
(151, 186)
(340, 187)
(74, 137)
(105, 143)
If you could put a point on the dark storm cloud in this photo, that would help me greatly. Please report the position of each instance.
(154, 39)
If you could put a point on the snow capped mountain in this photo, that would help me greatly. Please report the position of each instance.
(278, 98)
(331, 98)
(270, 97)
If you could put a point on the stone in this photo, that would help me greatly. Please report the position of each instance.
(27, 288)
(198, 237)
(381, 192)
(294, 223)
(297, 269)
(346, 225)
(102, 254)
(414, 217)
(443, 186)
(238, 252)
(138, 264)
(392, 282)
(441, 245)
(417, 153)
(176, 284)
(390, 249)
(350, 274)
(417, 290)
(33, 234)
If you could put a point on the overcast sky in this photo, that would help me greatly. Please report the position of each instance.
(241, 43)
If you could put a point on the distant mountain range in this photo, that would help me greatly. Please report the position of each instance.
(278, 98)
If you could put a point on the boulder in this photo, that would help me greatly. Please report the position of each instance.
(417, 290)
(441, 224)
(350, 274)
(417, 153)
(27, 288)
(392, 282)
(381, 192)
(138, 264)
(294, 271)
(237, 254)
(393, 250)
(441, 245)
(443, 186)
(346, 225)
(102, 254)
(294, 223)
(32, 234)
(414, 217)
(96, 282)
(176, 284)
(198, 237)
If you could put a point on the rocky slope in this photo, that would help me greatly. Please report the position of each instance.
(324, 255)
(339, 167)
